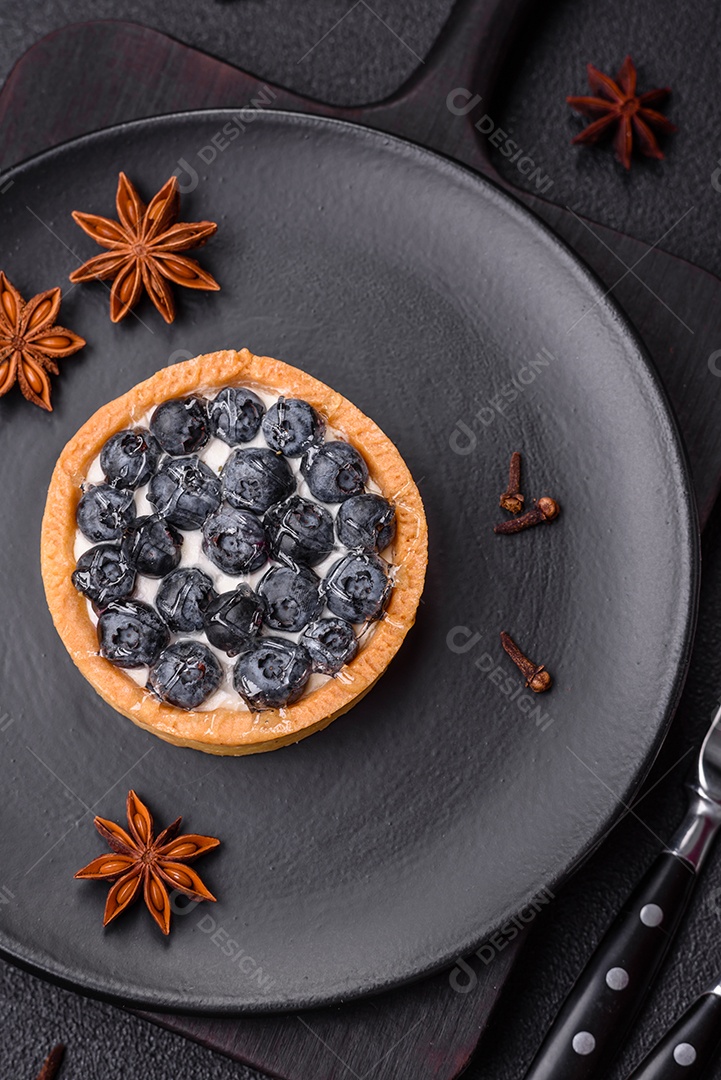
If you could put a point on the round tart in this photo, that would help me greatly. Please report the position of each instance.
(232, 553)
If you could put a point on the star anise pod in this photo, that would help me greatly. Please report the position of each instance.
(157, 863)
(619, 104)
(31, 342)
(144, 250)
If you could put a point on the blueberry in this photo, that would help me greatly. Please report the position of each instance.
(130, 458)
(181, 426)
(235, 541)
(234, 619)
(235, 415)
(184, 491)
(104, 511)
(131, 633)
(357, 587)
(330, 643)
(183, 597)
(300, 531)
(271, 672)
(255, 479)
(334, 471)
(367, 522)
(152, 546)
(291, 426)
(103, 574)
(185, 674)
(291, 596)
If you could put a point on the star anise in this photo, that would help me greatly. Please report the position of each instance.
(157, 863)
(30, 342)
(144, 250)
(619, 104)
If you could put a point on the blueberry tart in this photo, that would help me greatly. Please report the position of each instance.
(232, 553)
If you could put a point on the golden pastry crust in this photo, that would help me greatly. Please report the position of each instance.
(225, 730)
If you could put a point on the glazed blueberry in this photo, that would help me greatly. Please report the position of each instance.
(152, 546)
(271, 672)
(185, 674)
(184, 491)
(255, 479)
(181, 426)
(300, 531)
(291, 596)
(235, 541)
(235, 415)
(131, 633)
(292, 426)
(366, 522)
(233, 619)
(103, 574)
(330, 643)
(104, 511)
(334, 471)
(130, 458)
(183, 597)
(357, 587)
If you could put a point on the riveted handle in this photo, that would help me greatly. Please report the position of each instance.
(688, 1047)
(589, 1029)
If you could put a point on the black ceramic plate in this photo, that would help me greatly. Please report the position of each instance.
(438, 807)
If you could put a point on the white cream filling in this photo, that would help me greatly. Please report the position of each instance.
(215, 453)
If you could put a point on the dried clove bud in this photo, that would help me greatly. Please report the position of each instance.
(546, 509)
(511, 499)
(537, 678)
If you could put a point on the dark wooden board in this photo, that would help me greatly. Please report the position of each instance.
(426, 1031)
(85, 77)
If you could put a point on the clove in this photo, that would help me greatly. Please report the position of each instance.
(546, 509)
(536, 676)
(511, 499)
